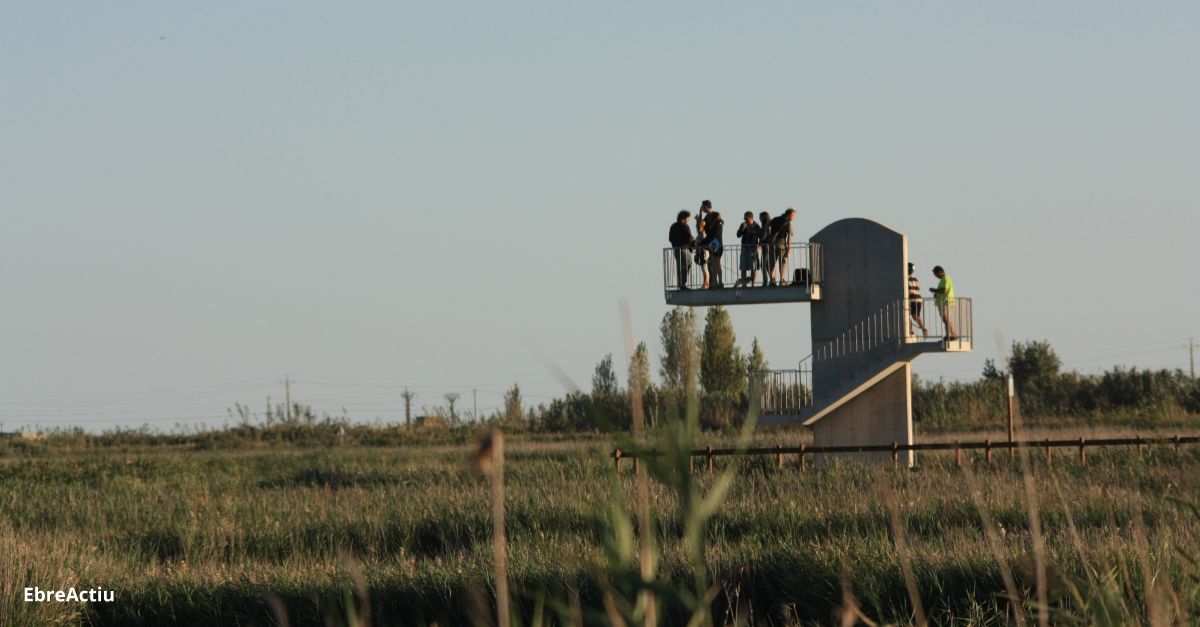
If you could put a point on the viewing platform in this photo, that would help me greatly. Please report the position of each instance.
(800, 264)
(855, 389)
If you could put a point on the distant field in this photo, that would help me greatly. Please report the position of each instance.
(248, 536)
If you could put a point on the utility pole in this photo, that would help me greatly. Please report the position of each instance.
(475, 403)
(1012, 423)
(451, 397)
(1192, 355)
(408, 396)
(287, 394)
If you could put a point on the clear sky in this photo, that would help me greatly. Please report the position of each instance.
(199, 198)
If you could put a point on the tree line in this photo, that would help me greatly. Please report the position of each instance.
(1045, 393)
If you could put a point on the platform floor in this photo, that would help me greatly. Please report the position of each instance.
(744, 295)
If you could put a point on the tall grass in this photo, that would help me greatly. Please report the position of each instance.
(225, 536)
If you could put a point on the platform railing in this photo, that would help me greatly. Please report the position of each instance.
(782, 392)
(935, 316)
(799, 264)
(894, 325)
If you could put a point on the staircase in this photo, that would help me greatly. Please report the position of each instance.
(865, 354)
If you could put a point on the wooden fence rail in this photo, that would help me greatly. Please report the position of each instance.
(895, 449)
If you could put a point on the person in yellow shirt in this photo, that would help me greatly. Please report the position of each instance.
(943, 297)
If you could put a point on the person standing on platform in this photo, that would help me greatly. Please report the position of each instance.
(768, 261)
(943, 297)
(713, 243)
(702, 252)
(681, 243)
(751, 234)
(781, 242)
(915, 303)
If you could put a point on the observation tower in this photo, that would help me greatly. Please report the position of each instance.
(855, 388)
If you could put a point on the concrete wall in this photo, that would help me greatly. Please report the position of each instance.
(866, 269)
(880, 415)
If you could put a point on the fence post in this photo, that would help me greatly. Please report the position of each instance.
(1082, 454)
(1176, 442)
(957, 454)
(1048, 454)
(710, 460)
(987, 444)
(801, 457)
(617, 460)
(895, 455)
(635, 465)
(779, 455)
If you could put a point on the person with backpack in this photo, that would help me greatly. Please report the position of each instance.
(682, 241)
(781, 243)
(714, 229)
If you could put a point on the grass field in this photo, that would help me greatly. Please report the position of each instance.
(301, 536)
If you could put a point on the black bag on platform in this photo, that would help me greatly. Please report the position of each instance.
(800, 276)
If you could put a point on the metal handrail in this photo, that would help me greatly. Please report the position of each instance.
(894, 325)
(800, 264)
(785, 392)
(782, 392)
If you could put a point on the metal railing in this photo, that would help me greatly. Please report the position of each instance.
(935, 316)
(894, 325)
(987, 447)
(782, 392)
(798, 265)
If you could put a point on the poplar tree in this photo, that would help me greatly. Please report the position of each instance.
(722, 367)
(604, 380)
(681, 350)
(639, 369)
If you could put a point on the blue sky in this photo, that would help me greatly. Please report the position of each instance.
(200, 199)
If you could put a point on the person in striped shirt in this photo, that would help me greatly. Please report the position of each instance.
(915, 304)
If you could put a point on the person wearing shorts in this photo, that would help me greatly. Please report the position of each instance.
(943, 297)
(751, 234)
(915, 304)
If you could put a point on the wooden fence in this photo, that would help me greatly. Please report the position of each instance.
(988, 446)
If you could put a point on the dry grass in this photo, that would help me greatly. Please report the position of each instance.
(211, 537)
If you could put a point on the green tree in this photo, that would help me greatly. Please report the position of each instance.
(604, 380)
(1035, 369)
(513, 410)
(1034, 361)
(756, 363)
(641, 388)
(609, 406)
(722, 368)
(639, 369)
(681, 350)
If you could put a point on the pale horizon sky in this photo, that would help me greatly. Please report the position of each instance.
(201, 199)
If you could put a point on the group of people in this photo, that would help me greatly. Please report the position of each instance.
(943, 298)
(766, 245)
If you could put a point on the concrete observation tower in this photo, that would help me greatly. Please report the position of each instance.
(856, 387)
